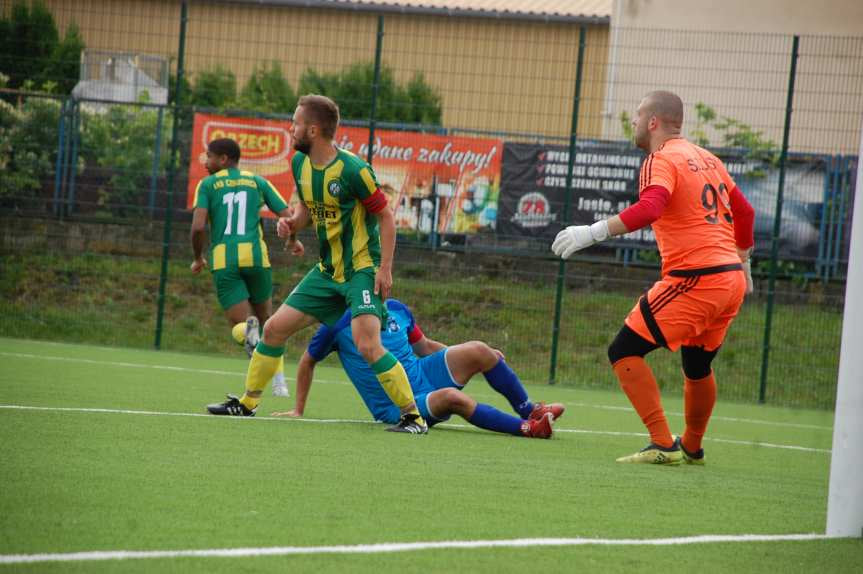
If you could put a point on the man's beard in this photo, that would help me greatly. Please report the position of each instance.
(303, 146)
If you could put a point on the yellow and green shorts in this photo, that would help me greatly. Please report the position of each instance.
(320, 296)
(236, 284)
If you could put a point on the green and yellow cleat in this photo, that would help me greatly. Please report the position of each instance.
(696, 457)
(655, 454)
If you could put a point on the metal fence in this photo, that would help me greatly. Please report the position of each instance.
(96, 183)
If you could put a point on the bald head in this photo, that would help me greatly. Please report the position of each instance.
(667, 107)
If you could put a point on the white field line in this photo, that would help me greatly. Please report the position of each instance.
(239, 374)
(355, 421)
(391, 547)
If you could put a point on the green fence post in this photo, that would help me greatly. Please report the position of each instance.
(379, 45)
(561, 267)
(72, 173)
(58, 166)
(166, 241)
(157, 158)
(777, 222)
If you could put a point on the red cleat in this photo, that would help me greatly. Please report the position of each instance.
(539, 409)
(537, 428)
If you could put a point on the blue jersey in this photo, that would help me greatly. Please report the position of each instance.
(397, 336)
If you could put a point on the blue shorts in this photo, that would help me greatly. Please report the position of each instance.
(434, 375)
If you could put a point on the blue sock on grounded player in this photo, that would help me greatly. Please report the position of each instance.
(489, 418)
(504, 380)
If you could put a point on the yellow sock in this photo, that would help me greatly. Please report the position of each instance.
(394, 380)
(281, 367)
(264, 364)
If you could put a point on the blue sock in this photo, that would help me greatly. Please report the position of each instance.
(489, 418)
(504, 380)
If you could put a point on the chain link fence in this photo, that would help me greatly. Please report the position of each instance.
(487, 135)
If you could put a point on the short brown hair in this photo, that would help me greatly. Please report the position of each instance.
(667, 106)
(323, 111)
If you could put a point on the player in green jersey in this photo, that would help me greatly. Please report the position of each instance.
(231, 200)
(339, 197)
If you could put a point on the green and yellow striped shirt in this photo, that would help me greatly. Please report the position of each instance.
(347, 234)
(233, 200)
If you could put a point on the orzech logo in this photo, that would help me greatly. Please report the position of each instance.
(533, 210)
(334, 188)
(258, 144)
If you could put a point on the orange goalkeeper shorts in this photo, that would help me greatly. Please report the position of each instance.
(691, 307)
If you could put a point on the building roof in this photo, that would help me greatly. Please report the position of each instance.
(577, 11)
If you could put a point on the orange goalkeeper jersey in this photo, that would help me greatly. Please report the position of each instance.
(695, 229)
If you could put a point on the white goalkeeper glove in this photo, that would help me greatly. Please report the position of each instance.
(747, 269)
(577, 237)
(744, 255)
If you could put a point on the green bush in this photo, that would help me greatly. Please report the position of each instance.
(215, 88)
(415, 102)
(31, 49)
(122, 139)
(64, 65)
(268, 91)
(28, 145)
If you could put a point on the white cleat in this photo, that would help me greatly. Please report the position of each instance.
(281, 390)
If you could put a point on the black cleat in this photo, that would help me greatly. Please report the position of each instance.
(696, 457)
(232, 407)
(410, 423)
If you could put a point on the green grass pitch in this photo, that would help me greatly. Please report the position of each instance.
(114, 459)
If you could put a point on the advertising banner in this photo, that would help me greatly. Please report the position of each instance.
(265, 149)
(448, 183)
(533, 186)
(605, 182)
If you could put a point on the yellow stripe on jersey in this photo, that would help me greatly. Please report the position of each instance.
(197, 189)
(334, 227)
(244, 255)
(245, 173)
(222, 173)
(265, 254)
(368, 180)
(361, 259)
(305, 184)
(219, 257)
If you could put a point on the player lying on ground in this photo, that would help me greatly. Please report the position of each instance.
(230, 199)
(437, 375)
(704, 232)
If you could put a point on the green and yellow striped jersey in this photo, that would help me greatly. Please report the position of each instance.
(233, 200)
(347, 234)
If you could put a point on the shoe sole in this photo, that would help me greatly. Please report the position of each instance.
(653, 457)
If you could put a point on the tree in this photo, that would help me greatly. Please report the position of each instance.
(416, 102)
(424, 102)
(64, 66)
(214, 88)
(28, 145)
(736, 134)
(268, 91)
(121, 140)
(28, 38)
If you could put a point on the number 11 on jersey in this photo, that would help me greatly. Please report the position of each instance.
(230, 199)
